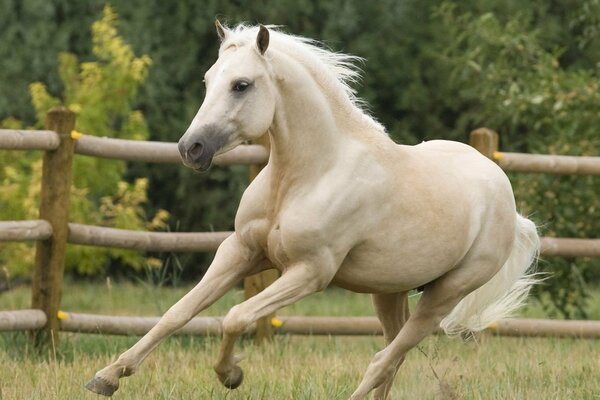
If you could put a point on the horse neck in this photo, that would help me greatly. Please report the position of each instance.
(302, 140)
(308, 132)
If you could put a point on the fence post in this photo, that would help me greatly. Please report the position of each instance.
(485, 140)
(257, 283)
(54, 207)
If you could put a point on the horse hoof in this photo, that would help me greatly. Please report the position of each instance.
(101, 386)
(234, 379)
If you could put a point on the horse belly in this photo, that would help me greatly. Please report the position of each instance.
(390, 274)
(417, 255)
(367, 279)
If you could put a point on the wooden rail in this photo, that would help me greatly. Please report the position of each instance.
(149, 241)
(209, 241)
(305, 325)
(505, 327)
(160, 152)
(297, 325)
(549, 164)
(567, 247)
(122, 149)
(486, 141)
(22, 320)
(122, 325)
(12, 139)
(546, 327)
(25, 230)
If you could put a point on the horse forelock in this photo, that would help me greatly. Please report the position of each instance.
(335, 71)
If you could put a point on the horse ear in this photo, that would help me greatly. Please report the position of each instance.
(221, 31)
(262, 39)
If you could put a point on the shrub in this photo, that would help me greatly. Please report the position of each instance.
(101, 93)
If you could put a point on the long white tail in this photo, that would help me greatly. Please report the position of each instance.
(505, 292)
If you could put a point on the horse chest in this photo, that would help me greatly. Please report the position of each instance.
(266, 237)
(275, 250)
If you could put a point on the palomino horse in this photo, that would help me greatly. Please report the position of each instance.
(340, 203)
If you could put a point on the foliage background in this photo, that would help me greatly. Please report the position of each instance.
(529, 70)
(101, 93)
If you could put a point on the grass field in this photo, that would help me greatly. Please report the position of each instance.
(292, 367)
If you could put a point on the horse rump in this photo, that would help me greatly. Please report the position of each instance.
(505, 292)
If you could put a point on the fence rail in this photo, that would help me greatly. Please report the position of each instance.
(298, 325)
(160, 152)
(148, 241)
(550, 164)
(209, 241)
(486, 141)
(60, 143)
(11, 139)
(123, 325)
(25, 230)
(123, 149)
(568, 247)
(22, 320)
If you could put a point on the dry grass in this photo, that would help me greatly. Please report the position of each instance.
(291, 367)
(316, 368)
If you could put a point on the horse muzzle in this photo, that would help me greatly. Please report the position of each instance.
(197, 149)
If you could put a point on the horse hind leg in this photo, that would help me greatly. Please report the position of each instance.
(438, 300)
(392, 312)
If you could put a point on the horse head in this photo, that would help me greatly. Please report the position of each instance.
(239, 104)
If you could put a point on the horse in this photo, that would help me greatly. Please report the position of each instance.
(340, 203)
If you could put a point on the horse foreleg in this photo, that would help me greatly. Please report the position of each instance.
(232, 262)
(392, 311)
(295, 283)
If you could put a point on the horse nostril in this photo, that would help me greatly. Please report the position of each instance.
(195, 151)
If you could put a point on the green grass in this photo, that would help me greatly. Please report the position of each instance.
(292, 367)
(145, 299)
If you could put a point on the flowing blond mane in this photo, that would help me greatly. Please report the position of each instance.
(335, 72)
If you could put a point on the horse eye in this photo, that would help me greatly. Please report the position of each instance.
(240, 86)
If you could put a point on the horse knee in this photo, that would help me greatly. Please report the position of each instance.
(236, 321)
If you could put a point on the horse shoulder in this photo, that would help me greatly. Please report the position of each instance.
(328, 214)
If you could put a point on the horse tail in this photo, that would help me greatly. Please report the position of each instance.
(505, 292)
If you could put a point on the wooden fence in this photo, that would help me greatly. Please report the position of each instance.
(53, 231)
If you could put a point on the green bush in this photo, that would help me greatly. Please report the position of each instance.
(518, 86)
(101, 93)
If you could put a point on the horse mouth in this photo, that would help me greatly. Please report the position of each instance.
(201, 163)
(203, 166)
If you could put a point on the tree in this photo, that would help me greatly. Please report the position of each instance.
(516, 83)
(101, 93)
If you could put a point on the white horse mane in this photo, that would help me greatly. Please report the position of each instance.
(334, 71)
